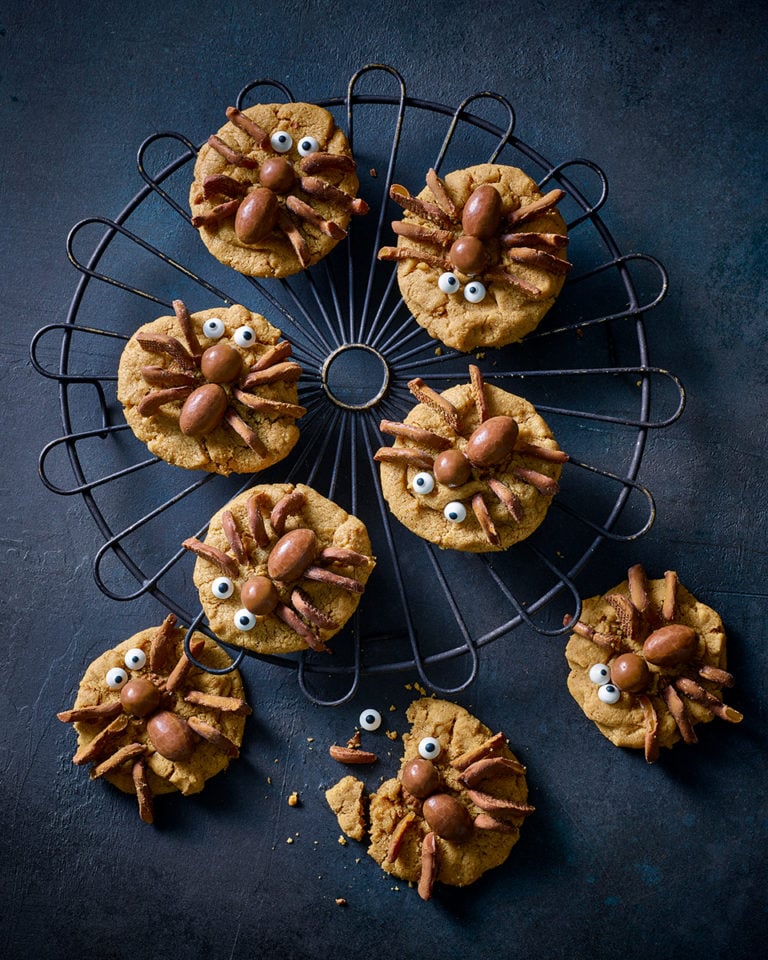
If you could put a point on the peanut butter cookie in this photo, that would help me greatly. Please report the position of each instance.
(480, 254)
(473, 468)
(648, 663)
(455, 808)
(151, 722)
(213, 390)
(274, 189)
(281, 569)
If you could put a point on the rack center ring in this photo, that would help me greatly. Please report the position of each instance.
(348, 370)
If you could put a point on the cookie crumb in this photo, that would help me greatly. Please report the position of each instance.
(293, 799)
(341, 902)
(342, 840)
(373, 172)
(392, 734)
(289, 840)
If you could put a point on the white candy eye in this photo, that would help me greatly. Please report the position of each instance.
(608, 693)
(455, 511)
(281, 141)
(308, 145)
(244, 620)
(244, 336)
(429, 748)
(599, 673)
(135, 659)
(213, 328)
(423, 483)
(222, 588)
(370, 719)
(116, 677)
(448, 282)
(474, 292)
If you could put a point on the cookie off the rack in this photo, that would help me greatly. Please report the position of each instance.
(648, 663)
(282, 568)
(473, 468)
(151, 722)
(455, 809)
(480, 254)
(274, 189)
(213, 390)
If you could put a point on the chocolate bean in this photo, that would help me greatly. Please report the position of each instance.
(171, 735)
(292, 554)
(671, 645)
(420, 777)
(259, 595)
(492, 442)
(256, 215)
(221, 363)
(482, 212)
(447, 817)
(139, 697)
(630, 672)
(467, 254)
(452, 468)
(277, 174)
(203, 410)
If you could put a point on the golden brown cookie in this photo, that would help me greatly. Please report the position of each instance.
(480, 253)
(456, 807)
(281, 569)
(473, 468)
(648, 663)
(151, 722)
(213, 390)
(274, 189)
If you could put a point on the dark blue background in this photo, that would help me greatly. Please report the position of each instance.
(620, 859)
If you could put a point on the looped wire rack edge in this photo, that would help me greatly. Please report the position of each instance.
(351, 300)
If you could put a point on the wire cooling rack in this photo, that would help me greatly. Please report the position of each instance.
(586, 369)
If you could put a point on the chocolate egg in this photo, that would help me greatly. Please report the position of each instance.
(467, 254)
(492, 442)
(671, 645)
(259, 595)
(630, 672)
(482, 212)
(292, 554)
(221, 363)
(277, 174)
(420, 777)
(451, 468)
(139, 697)
(171, 735)
(203, 410)
(256, 215)
(447, 817)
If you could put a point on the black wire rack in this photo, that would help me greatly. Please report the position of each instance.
(586, 369)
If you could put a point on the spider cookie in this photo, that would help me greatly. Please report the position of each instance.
(274, 189)
(648, 663)
(151, 722)
(455, 808)
(281, 569)
(473, 468)
(480, 253)
(213, 390)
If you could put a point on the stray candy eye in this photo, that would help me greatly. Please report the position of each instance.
(423, 483)
(308, 145)
(135, 659)
(429, 748)
(244, 336)
(370, 719)
(455, 511)
(222, 587)
(213, 328)
(281, 141)
(245, 620)
(608, 693)
(474, 292)
(116, 678)
(599, 673)
(448, 282)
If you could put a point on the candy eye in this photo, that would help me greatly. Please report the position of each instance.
(455, 511)
(135, 659)
(448, 282)
(308, 145)
(474, 292)
(244, 336)
(244, 620)
(116, 677)
(370, 719)
(599, 674)
(213, 328)
(222, 588)
(608, 693)
(423, 483)
(281, 141)
(429, 748)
